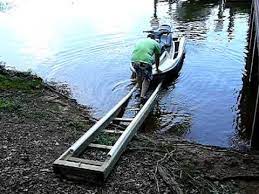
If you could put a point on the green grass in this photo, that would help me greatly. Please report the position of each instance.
(106, 139)
(77, 124)
(19, 83)
(6, 104)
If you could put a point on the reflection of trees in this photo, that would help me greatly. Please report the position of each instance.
(154, 19)
(195, 13)
(246, 96)
(219, 24)
(154, 22)
(238, 7)
(246, 104)
(233, 10)
(194, 10)
(189, 11)
(231, 24)
(155, 8)
(4, 6)
(199, 11)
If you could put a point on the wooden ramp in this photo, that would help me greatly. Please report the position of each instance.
(73, 163)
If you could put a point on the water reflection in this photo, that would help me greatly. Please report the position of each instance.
(195, 10)
(5, 6)
(244, 118)
(154, 22)
(246, 101)
(244, 109)
(169, 118)
(193, 16)
(220, 21)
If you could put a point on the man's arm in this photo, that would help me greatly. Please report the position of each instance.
(157, 56)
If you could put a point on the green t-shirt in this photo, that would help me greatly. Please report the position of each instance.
(144, 51)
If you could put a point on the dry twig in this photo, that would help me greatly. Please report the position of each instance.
(169, 180)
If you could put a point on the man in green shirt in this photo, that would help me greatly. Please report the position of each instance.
(146, 52)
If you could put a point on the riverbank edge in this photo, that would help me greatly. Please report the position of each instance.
(39, 122)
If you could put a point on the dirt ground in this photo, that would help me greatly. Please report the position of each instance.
(38, 123)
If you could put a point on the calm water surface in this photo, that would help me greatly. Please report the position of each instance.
(87, 45)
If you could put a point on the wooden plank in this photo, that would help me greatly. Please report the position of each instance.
(251, 28)
(251, 72)
(113, 131)
(256, 20)
(133, 109)
(254, 74)
(123, 119)
(66, 155)
(79, 171)
(77, 165)
(85, 161)
(100, 146)
(255, 127)
(117, 126)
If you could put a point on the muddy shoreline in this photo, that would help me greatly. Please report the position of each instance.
(38, 123)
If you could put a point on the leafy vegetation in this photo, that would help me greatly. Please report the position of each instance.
(17, 82)
(106, 139)
(77, 124)
(7, 104)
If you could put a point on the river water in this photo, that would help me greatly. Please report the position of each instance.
(87, 46)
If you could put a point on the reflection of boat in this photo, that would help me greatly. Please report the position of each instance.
(172, 51)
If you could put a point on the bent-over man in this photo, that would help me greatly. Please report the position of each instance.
(146, 52)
